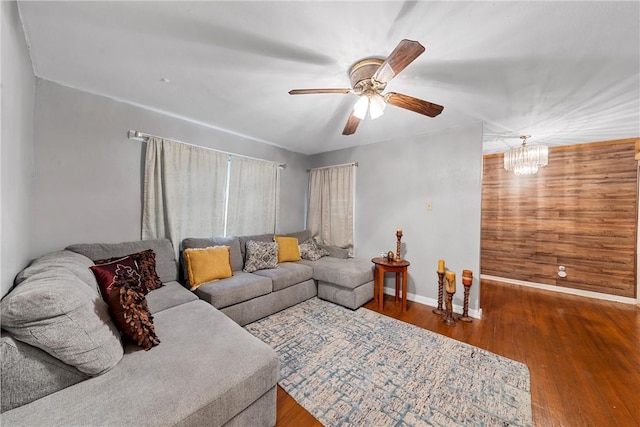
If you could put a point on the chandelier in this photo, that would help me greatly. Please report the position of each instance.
(526, 159)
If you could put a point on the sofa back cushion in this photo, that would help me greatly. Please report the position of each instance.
(300, 235)
(54, 309)
(166, 265)
(76, 264)
(29, 373)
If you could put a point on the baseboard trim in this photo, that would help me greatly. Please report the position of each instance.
(476, 314)
(570, 291)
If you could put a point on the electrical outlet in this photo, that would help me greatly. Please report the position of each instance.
(562, 271)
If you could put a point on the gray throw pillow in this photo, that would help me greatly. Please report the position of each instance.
(260, 256)
(54, 310)
(310, 250)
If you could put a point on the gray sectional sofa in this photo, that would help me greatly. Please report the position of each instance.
(246, 297)
(67, 365)
(207, 370)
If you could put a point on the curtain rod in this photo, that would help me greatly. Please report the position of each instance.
(334, 166)
(140, 136)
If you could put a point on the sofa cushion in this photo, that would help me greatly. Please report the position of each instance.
(170, 295)
(287, 274)
(288, 250)
(239, 288)
(75, 263)
(336, 252)
(166, 265)
(346, 297)
(348, 273)
(56, 311)
(29, 373)
(300, 235)
(206, 264)
(260, 255)
(207, 367)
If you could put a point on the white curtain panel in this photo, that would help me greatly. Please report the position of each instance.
(184, 191)
(331, 201)
(253, 197)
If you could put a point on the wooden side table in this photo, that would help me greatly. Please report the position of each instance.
(382, 265)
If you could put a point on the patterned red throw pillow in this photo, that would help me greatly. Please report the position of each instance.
(105, 274)
(130, 311)
(146, 261)
(146, 265)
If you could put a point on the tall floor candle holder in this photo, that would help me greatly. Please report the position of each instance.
(467, 280)
(440, 310)
(450, 287)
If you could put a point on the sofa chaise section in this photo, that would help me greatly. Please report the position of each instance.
(206, 371)
(346, 282)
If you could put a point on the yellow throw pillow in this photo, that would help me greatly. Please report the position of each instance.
(287, 248)
(206, 264)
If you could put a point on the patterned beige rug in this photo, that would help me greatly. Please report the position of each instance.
(361, 368)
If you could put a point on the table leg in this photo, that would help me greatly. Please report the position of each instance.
(375, 283)
(380, 277)
(404, 290)
(397, 286)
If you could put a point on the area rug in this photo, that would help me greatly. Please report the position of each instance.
(361, 368)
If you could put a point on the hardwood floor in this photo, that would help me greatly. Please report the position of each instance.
(583, 354)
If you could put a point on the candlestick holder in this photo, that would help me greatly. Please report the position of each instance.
(399, 236)
(439, 310)
(449, 317)
(465, 310)
(467, 280)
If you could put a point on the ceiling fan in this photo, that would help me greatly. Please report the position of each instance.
(369, 77)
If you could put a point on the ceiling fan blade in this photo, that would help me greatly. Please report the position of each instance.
(351, 126)
(413, 104)
(311, 91)
(404, 54)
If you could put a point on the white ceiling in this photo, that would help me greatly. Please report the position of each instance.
(563, 72)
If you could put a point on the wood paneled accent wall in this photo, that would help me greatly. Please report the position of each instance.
(580, 211)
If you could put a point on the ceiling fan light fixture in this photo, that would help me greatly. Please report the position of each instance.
(361, 107)
(526, 159)
(376, 106)
(369, 78)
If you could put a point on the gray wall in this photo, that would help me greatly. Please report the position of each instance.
(71, 175)
(88, 174)
(16, 173)
(394, 182)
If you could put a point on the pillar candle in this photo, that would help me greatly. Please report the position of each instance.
(467, 277)
(440, 266)
(450, 282)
